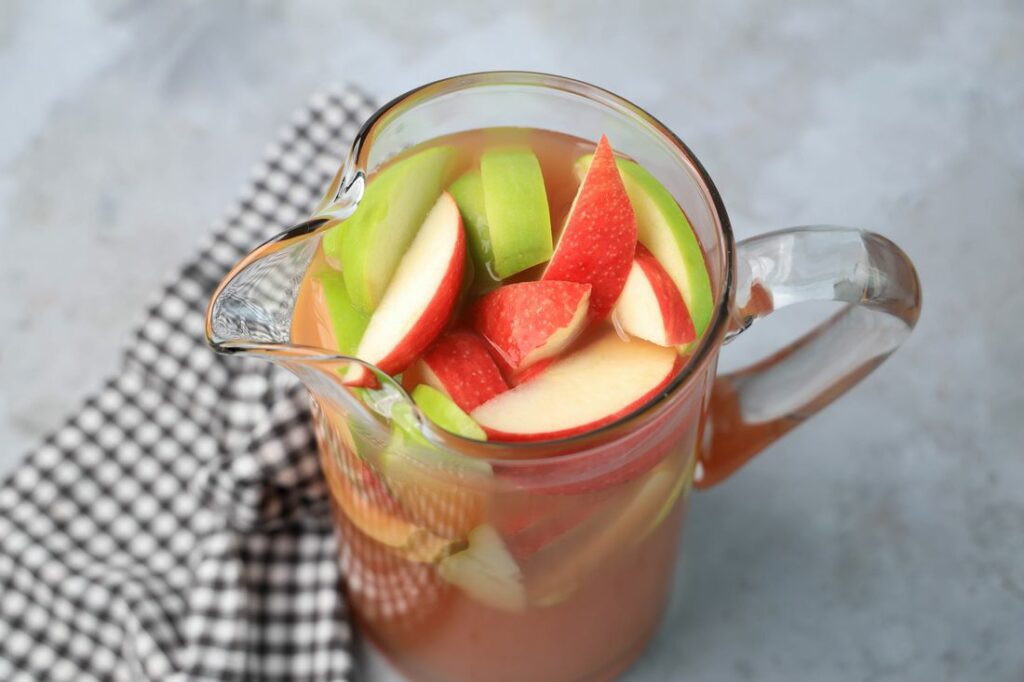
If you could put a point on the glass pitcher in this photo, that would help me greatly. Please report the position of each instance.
(467, 560)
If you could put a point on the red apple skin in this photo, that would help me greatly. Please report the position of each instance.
(460, 365)
(432, 319)
(495, 435)
(518, 319)
(574, 476)
(537, 533)
(678, 324)
(599, 240)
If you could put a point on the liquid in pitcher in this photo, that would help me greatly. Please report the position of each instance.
(523, 287)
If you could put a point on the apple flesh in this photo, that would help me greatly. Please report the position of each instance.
(597, 244)
(369, 245)
(664, 229)
(460, 366)
(532, 321)
(369, 506)
(439, 487)
(651, 307)
(516, 205)
(486, 571)
(441, 410)
(420, 298)
(561, 567)
(593, 386)
(521, 377)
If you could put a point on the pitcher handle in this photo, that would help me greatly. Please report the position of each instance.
(753, 407)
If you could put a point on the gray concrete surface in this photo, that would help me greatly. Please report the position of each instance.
(883, 541)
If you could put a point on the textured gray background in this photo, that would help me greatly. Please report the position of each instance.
(885, 540)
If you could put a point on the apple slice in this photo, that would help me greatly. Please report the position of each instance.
(442, 489)
(468, 192)
(599, 239)
(441, 410)
(530, 321)
(561, 567)
(364, 499)
(460, 366)
(516, 204)
(651, 306)
(486, 571)
(597, 384)
(516, 378)
(347, 322)
(664, 229)
(421, 295)
(369, 245)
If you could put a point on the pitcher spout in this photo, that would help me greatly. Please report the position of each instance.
(252, 313)
(255, 302)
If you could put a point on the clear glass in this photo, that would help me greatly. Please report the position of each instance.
(552, 561)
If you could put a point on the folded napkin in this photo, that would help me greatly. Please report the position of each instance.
(176, 528)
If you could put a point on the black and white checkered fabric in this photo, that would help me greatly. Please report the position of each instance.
(176, 528)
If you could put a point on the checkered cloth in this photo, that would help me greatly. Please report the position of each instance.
(176, 528)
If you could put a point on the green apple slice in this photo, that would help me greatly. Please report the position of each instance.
(665, 230)
(409, 448)
(516, 206)
(369, 245)
(468, 192)
(682, 487)
(441, 410)
(347, 321)
(486, 571)
(435, 485)
(561, 567)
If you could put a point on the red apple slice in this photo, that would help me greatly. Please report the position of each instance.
(599, 238)
(530, 321)
(460, 366)
(419, 300)
(651, 306)
(594, 386)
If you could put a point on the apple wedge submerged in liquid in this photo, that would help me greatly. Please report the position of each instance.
(486, 571)
(651, 307)
(560, 567)
(595, 385)
(597, 244)
(531, 321)
(440, 488)
(370, 507)
(420, 298)
(460, 366)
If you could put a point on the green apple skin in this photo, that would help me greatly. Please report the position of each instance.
(682, 488)
(440, 409)
(369, 245)
(665, 230)
(348, 321)
(468, 192)
(408, 444)
(516, 206)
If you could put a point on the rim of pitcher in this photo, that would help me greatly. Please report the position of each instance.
(356, 162)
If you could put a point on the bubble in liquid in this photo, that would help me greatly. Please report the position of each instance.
(617, 325)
